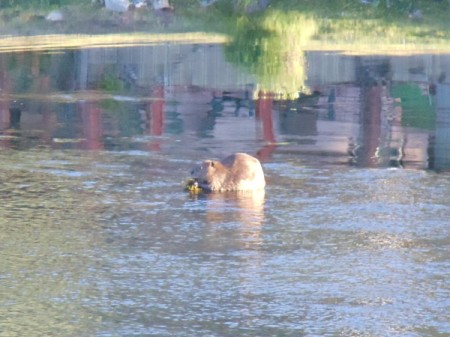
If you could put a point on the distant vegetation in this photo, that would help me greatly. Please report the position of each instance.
(269, 42)
(331, 8)
(434, 13)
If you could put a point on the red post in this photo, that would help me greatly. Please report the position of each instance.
(92, 125)
(156, 113)
(264, 109)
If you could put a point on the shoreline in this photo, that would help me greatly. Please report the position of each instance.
(52, 42)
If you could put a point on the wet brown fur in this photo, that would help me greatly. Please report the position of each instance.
(237, 172)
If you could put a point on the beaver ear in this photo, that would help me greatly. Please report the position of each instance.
(212, 163)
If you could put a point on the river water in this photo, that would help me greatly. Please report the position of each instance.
(98, 237)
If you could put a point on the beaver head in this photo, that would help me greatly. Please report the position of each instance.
(209, 174)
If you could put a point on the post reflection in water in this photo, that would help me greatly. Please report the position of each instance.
(155, 114)
(91, 120)
(264, 110)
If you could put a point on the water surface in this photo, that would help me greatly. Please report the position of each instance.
(350, 238)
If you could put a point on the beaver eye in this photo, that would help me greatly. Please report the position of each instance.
(212, 164)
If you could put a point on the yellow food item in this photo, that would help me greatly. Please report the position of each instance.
(192, 186)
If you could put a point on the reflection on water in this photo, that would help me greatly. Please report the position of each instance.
(369, 111)
(97, 236)
(272, 48)
(246, 214)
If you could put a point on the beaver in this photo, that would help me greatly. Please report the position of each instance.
(238, 172)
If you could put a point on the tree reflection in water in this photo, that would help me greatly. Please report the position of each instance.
(272, 48)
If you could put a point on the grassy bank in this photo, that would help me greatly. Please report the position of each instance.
(338, 19)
